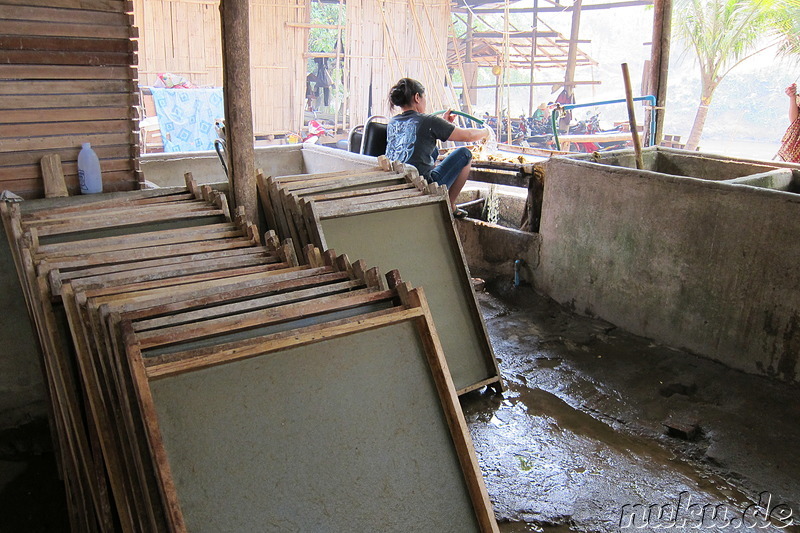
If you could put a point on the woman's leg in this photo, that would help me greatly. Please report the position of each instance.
(457, 185)
(453, 172)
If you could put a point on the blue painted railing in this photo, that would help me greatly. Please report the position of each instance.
(566, 107)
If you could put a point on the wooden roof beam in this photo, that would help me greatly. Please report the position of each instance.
(537, 84)
(554, 9)
(516, 35)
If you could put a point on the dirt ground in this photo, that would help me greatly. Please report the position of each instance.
(597, 431)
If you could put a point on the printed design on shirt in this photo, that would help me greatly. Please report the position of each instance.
(402, 135)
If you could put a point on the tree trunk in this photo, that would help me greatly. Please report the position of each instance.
(700, 118)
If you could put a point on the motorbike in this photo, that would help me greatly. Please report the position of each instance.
(591, 126)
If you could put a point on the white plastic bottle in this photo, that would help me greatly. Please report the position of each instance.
(89, 174)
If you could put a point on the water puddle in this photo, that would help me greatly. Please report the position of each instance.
(573, 444)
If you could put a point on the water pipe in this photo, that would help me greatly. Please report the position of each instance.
(462, 114)
(566, 107)
(219, 147)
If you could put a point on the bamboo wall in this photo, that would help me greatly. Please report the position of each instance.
(66, 78)
(179, 37)
(183, 37)
(391, 39)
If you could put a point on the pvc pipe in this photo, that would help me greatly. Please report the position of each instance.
(554, 116)
(460, 113)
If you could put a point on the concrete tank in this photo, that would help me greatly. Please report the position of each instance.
(695, 251)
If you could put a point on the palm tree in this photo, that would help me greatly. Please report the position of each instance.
(787, 26)
(723, 33)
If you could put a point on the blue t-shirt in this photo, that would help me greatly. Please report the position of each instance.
(411, 138)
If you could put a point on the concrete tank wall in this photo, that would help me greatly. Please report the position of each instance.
(167, 170)
(708, 266)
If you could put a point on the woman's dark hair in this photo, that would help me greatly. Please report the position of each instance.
(403, 92)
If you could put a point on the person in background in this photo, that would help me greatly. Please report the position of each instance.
(541, 117)
(411, 138)
(790, 144)
(310, 98)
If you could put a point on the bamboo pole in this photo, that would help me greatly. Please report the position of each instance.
(339, 45)
(235, 20)
(637, 145)
(464, 88)
(441, 54)
(421, 36)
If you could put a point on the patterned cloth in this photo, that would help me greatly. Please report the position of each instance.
(790, 144)
(186, 117)
(411, 138)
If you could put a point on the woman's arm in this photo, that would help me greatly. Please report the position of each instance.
(791, 90)
(468, 134)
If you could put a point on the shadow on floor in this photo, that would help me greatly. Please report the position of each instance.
(31, 495)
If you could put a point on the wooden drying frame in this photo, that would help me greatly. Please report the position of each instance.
(85, 478)
(437, 201)
(78, 442)
(101, 398)
(272, 207)
(106, 388)
(106, 392)
(414, 310)
(280, 195)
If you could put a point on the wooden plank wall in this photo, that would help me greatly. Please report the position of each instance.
(183, 37)
(66, 78)
(391, 39)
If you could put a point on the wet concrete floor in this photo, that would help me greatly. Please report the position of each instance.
(595, 427)
(599, 430)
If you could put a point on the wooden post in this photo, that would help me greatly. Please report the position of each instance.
(497, 97)
(572, 54)
(532, 104)
(506, 46)
(235, 20)
(470, 68)
(659, 63)
(468, 42)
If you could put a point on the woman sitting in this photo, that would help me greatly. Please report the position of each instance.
(412, 135)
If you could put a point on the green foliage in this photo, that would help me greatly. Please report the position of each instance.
(787, 26)
(723, 32)
(322, 39)
(325, 40)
